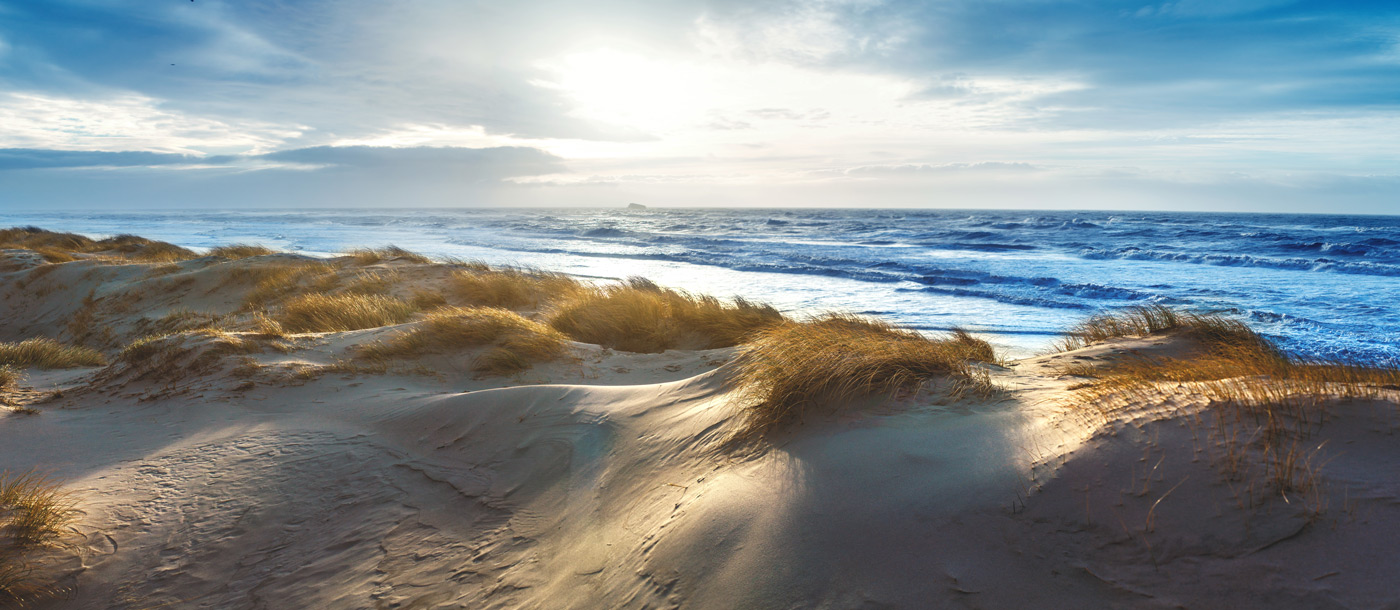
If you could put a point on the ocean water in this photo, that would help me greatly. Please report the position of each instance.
(1326, 286)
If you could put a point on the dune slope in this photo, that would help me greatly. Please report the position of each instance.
(234, 471)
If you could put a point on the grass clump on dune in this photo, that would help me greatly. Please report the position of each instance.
(318, 313)
(61, 247)
(639, 316)
(1264, 401)
(9, 377)
(1145, 320)
(797, 367)
(517, 342)
(46, 353)
(1234, 365)
(277, 281)
(33, 512)
(240, 251)
(370, 256)
(510, 288)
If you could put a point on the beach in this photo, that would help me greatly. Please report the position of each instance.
(250, 428)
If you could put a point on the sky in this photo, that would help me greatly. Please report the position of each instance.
(1238, 105)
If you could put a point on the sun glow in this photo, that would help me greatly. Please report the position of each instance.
(631, 90)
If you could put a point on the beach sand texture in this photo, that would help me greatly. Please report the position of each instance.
(258, 467)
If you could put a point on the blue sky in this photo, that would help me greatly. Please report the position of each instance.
(1263, 105)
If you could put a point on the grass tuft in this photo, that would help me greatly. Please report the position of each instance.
(639, 316)
(278, 281)
(517, 342)
(33, 512)
(510, 288)
(1258, 394)
(371, 256)
(1144, 320)
(46, 353)
(797, 367)
(319, 313)
(240, 251)
(9, 377)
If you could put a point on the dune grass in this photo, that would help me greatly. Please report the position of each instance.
(1144, 320)
(371, 256)
(639, 316)
(517, 342)
(277, 281)
(1264, 402)
(511, 288)
(62, 247)
(373, 283)
(46, 353)
(318, 313)
(240, 251)
(828, 362)
(9, 377)
(34, 509)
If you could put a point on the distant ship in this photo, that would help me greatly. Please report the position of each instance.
(636, 206)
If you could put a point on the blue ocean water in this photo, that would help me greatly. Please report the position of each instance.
(1324, 286)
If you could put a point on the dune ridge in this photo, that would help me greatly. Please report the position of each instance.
(232, 449)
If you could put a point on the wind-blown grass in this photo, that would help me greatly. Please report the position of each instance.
(33, 512)
(61, 247)
(517, 342)
(273, 282)
(9, 377)
(370, 256)
(318, 313)
(1276, 399)
(511, 288)
(240, 251)
(639, 316)
(46, 353)
(1144, 320)
(828, 362)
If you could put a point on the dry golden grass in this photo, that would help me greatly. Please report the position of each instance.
(517, 342)
(143, 349)
(9, 377)
(829, 362)
(62, 247)
(425, 300)
(182, 319)
(34, 510)
(370, 256)
(373, 283)
(1262, 400)
(1145, 320)
(278, 281)
(46, 353)
(335, 313)
(240, 251)
(478, 284)
(639, 316)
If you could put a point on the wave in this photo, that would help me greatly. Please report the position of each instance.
(1244, 260)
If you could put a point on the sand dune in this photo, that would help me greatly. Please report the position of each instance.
(279, 476)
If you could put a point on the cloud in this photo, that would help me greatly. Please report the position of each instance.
(944, 168)
(492, 164)
(28, 158)
(497, 162)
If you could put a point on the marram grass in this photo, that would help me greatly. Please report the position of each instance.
(794, 368)
(516, 342)
(47, 353)
(639, 316)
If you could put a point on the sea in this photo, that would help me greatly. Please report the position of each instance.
(1321, 285)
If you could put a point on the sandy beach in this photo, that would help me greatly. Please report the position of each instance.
(221, 462)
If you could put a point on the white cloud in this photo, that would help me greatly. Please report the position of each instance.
(127, 123)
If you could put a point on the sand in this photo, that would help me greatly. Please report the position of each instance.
(606, 480)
